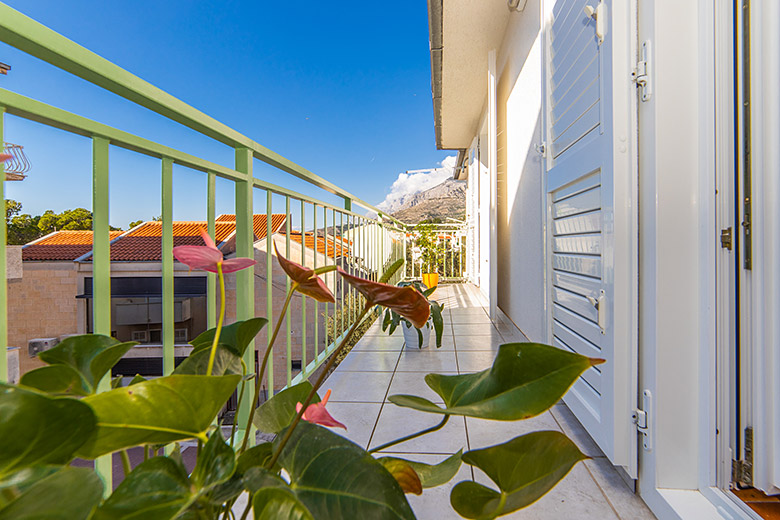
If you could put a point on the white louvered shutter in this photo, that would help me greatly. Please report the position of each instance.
(591, 239)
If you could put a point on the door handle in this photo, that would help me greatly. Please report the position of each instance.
(601, 307)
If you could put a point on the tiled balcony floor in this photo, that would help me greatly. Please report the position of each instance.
(380, 366)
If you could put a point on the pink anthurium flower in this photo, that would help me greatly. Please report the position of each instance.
(5, 157)
(208, 257)
(317, 414)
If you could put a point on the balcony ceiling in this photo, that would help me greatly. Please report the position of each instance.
(462, 32)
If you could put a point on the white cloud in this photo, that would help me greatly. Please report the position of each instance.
(412, 183)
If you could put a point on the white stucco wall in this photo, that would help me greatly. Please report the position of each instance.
(520, 226)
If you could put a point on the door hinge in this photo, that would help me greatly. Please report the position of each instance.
(641, 74)
(726, 238)
(642, 418)
(742, 470)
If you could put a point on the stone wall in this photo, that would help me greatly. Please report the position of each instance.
(42, 304)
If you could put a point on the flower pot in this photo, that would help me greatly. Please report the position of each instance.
(412, 339)
(430, 279)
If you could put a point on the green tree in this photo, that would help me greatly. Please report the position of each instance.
(24, 228)
(134, 223)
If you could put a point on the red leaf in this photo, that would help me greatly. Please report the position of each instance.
(406, 301)
(308, 282)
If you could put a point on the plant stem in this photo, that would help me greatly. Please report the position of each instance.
(125, 462)
(238, 405)
(146, 452)
(263, 364)
(247, 508)
(411, 436)
(221, 319)
(319, 382)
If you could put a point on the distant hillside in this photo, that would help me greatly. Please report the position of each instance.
(446, 200)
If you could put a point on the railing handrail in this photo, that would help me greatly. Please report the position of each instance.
(36, 39)
(28, 108)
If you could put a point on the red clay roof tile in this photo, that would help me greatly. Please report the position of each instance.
(62, 245)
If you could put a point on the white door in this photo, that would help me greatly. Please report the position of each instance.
(591, 213)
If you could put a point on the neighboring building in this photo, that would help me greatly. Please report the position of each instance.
(624, 202)
(53, 298)
(42, 302)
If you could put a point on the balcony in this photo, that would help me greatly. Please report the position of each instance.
(378, 366)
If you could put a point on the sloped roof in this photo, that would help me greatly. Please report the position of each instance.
(325, 246)
(144, 242)
(259, 223)
(61, 245)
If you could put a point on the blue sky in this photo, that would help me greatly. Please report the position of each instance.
(341, 88)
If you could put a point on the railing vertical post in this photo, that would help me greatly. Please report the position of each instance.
(316, 303)
(211, 279)
(380, 267)
(101, 269)
(406, 267)
(303, 298)
(269, 285)
(339, 280)
(167, 265)
(288, 318)
(245, 279)
(3, 269)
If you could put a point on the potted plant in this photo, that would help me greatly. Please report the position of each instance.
(431, 252)
(417, 337)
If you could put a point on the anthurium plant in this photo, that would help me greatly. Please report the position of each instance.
(391, 319)
(58, 413)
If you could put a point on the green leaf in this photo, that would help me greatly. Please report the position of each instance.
(525, 380)
(22, 480)
(278, 412)
(225, 362)
(255, 456)
(438, 321)
(116, 382)
(524, 469)
(235, 336)
(137, 379)
(91, 355)
(38, 429)
(216, 463)
(156, 489)
(390, 271)
(68, 494)
(158, 411)
(403, 473)
(432, 475)
(55, 379)
(363, 489)
(257, 478)
(278, 504)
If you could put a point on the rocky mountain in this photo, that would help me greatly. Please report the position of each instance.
(447, 199)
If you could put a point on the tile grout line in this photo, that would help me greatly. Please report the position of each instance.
(603, 493)
(382, 406)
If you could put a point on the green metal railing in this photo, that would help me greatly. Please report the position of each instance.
(365, 245)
